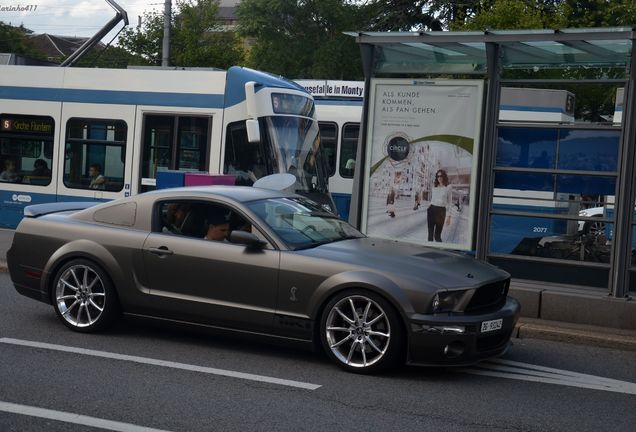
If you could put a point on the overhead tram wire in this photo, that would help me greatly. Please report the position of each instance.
(107, 46)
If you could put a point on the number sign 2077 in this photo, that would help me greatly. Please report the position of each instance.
(539, 229)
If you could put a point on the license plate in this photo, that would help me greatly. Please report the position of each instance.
(488, 326)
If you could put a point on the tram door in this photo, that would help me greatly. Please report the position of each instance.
(176, 142)
(96, 151)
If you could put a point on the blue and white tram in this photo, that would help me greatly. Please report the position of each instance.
(78, 134)
(339, 111)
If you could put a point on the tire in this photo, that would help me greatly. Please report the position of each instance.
(83, 297)
(594, 228)
(368, 342)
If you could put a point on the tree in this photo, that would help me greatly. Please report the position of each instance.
(109, 57)
(405, 15)
(526, 14)
(144, 42)
(197, 38)
(598, 13)
(304, 39)
(512, 14)
(14, 40)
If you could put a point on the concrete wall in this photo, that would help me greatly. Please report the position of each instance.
(574, 305)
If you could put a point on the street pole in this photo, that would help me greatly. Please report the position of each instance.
(167, 13)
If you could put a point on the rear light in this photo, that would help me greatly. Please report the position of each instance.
(33, 274)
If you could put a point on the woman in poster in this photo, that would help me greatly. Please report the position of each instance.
(441, 200)
(390, 203)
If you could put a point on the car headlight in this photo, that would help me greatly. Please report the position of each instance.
(446, 301)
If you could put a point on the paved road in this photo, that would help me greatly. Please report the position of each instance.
(6, 237)
(145, 375)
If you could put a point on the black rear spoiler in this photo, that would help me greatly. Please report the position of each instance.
(56, 207)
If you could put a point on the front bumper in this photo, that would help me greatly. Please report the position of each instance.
(431, 346)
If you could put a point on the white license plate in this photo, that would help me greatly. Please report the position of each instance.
(488, 326)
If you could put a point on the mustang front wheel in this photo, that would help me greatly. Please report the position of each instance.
(83, 297)
(360, 332)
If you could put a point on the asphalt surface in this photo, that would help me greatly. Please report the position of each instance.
(163, 396)
(6, 238)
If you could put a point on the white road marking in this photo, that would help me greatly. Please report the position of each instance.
(509, 369)
(73, 418)
(163, 363)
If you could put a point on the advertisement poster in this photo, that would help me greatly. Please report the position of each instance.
(421, 168)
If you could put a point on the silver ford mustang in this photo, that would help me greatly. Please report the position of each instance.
(265, 263)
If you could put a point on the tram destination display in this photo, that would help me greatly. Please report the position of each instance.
(33, 125)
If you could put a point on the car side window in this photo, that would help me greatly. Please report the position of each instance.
(202, 220)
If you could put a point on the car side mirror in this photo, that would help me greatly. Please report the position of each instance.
(246, 238)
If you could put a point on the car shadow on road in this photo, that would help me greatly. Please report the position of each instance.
(187, 334)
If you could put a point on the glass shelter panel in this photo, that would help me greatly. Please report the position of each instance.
(588, 150)
(540, 206)
(526, 147)
(543, 237)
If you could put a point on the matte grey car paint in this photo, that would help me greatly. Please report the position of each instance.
(273, 290)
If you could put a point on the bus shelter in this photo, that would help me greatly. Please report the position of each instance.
(534, 133)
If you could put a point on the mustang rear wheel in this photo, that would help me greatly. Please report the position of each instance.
(83, 296)
(360, 332)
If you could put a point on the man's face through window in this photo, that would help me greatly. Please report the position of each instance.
(218, 232)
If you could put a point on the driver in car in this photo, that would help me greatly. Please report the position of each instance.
(218, 223)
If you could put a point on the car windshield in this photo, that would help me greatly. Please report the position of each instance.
(302, 223)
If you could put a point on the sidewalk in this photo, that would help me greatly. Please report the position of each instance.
(526, 327)
(605, 337)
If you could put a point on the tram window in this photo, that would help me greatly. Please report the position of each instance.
(244, 160)
(349, 149)
(26, 149)
(174, 143)
(95, 154)
(329, 140)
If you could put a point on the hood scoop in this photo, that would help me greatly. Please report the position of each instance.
(432, 255)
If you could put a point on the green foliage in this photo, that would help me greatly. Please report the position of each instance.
(144, 42)
(537, 14)
(197, 39)
(112, 57)
(598, 13)
(407, 15)
(513, 14)
(303, 39)
(14, 40)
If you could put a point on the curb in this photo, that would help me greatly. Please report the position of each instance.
(576, 333)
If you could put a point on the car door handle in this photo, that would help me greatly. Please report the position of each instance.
(160, 251)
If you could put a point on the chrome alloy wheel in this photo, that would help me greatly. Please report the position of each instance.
(596, 229)
(358, 331)
(80, 296)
